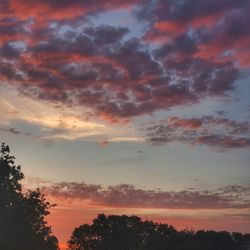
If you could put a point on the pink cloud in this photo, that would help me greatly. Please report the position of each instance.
(120, 77)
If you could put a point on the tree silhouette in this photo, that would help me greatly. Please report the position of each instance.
(131, 233)
(22, 215)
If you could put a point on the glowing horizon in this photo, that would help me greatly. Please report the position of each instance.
(130, 107)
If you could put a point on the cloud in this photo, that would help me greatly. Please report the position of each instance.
(11, 29)
(57, 129)
(64, 60)
(192, 123)
(106, 34)
(8, 51)
(59, 10)
(47, 123)
(218, 133)
(216, 27)
(169, 15)
(128, 196)
(11, 130)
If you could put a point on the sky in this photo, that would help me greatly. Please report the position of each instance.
(130, 107)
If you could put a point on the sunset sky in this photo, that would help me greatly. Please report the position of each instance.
(130, 107)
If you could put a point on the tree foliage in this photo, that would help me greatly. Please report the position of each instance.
(22, 215)
(23, 225)
(131, 233)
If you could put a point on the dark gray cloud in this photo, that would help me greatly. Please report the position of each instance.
(187, 10)
(11, 28)
(9, 51)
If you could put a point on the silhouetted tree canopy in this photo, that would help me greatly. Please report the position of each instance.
(131, 233)
(22, 215)
(23, 225)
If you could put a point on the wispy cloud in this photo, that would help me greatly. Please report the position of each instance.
(23, 116)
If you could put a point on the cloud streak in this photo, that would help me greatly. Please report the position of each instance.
(128, 196)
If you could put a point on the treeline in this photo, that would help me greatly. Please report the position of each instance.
(23, 225)
(131, 233)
